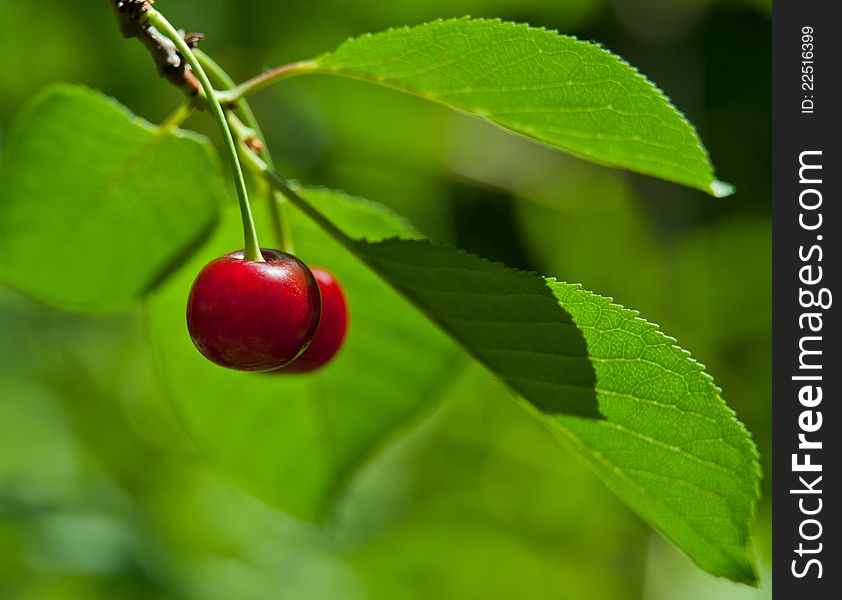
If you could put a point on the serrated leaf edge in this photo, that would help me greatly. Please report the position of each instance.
(716, 188)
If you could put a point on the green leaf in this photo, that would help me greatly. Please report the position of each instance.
(663, 439)
(570, 94)
(666, 443)
(96, 205)
(296, 440)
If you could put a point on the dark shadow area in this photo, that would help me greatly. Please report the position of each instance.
(509, 320)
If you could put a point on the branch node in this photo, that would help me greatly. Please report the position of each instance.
(194, 39)
(132, 17)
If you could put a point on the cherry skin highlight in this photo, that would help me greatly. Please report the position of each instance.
(253, 316)
(332, 328)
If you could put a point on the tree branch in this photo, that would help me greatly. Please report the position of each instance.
(131, 15)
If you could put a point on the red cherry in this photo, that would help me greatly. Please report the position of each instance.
(253, 316)
(332, 328)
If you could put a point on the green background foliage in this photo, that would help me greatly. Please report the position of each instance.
(101, 493)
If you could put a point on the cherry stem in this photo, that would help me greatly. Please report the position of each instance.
(252, 248)
(265, 79)
(278, 206)
(178, 116)
(286, 188)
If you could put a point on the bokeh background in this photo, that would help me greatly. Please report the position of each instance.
(101, 494)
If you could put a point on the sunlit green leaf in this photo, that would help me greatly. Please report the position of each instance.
(96, 205)
(611, 386)
(567, 93)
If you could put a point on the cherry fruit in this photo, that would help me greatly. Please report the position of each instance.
(253, 316)
(332, 328)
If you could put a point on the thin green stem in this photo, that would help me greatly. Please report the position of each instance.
(284, 187)
(178, 116)
(267, 78)
(278, 208)
(240, 129)
(223, 80)
(252, 248)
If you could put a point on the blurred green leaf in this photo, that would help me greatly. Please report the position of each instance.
(96, 205)
(296, 440)
(567, 93)
(483, 485)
